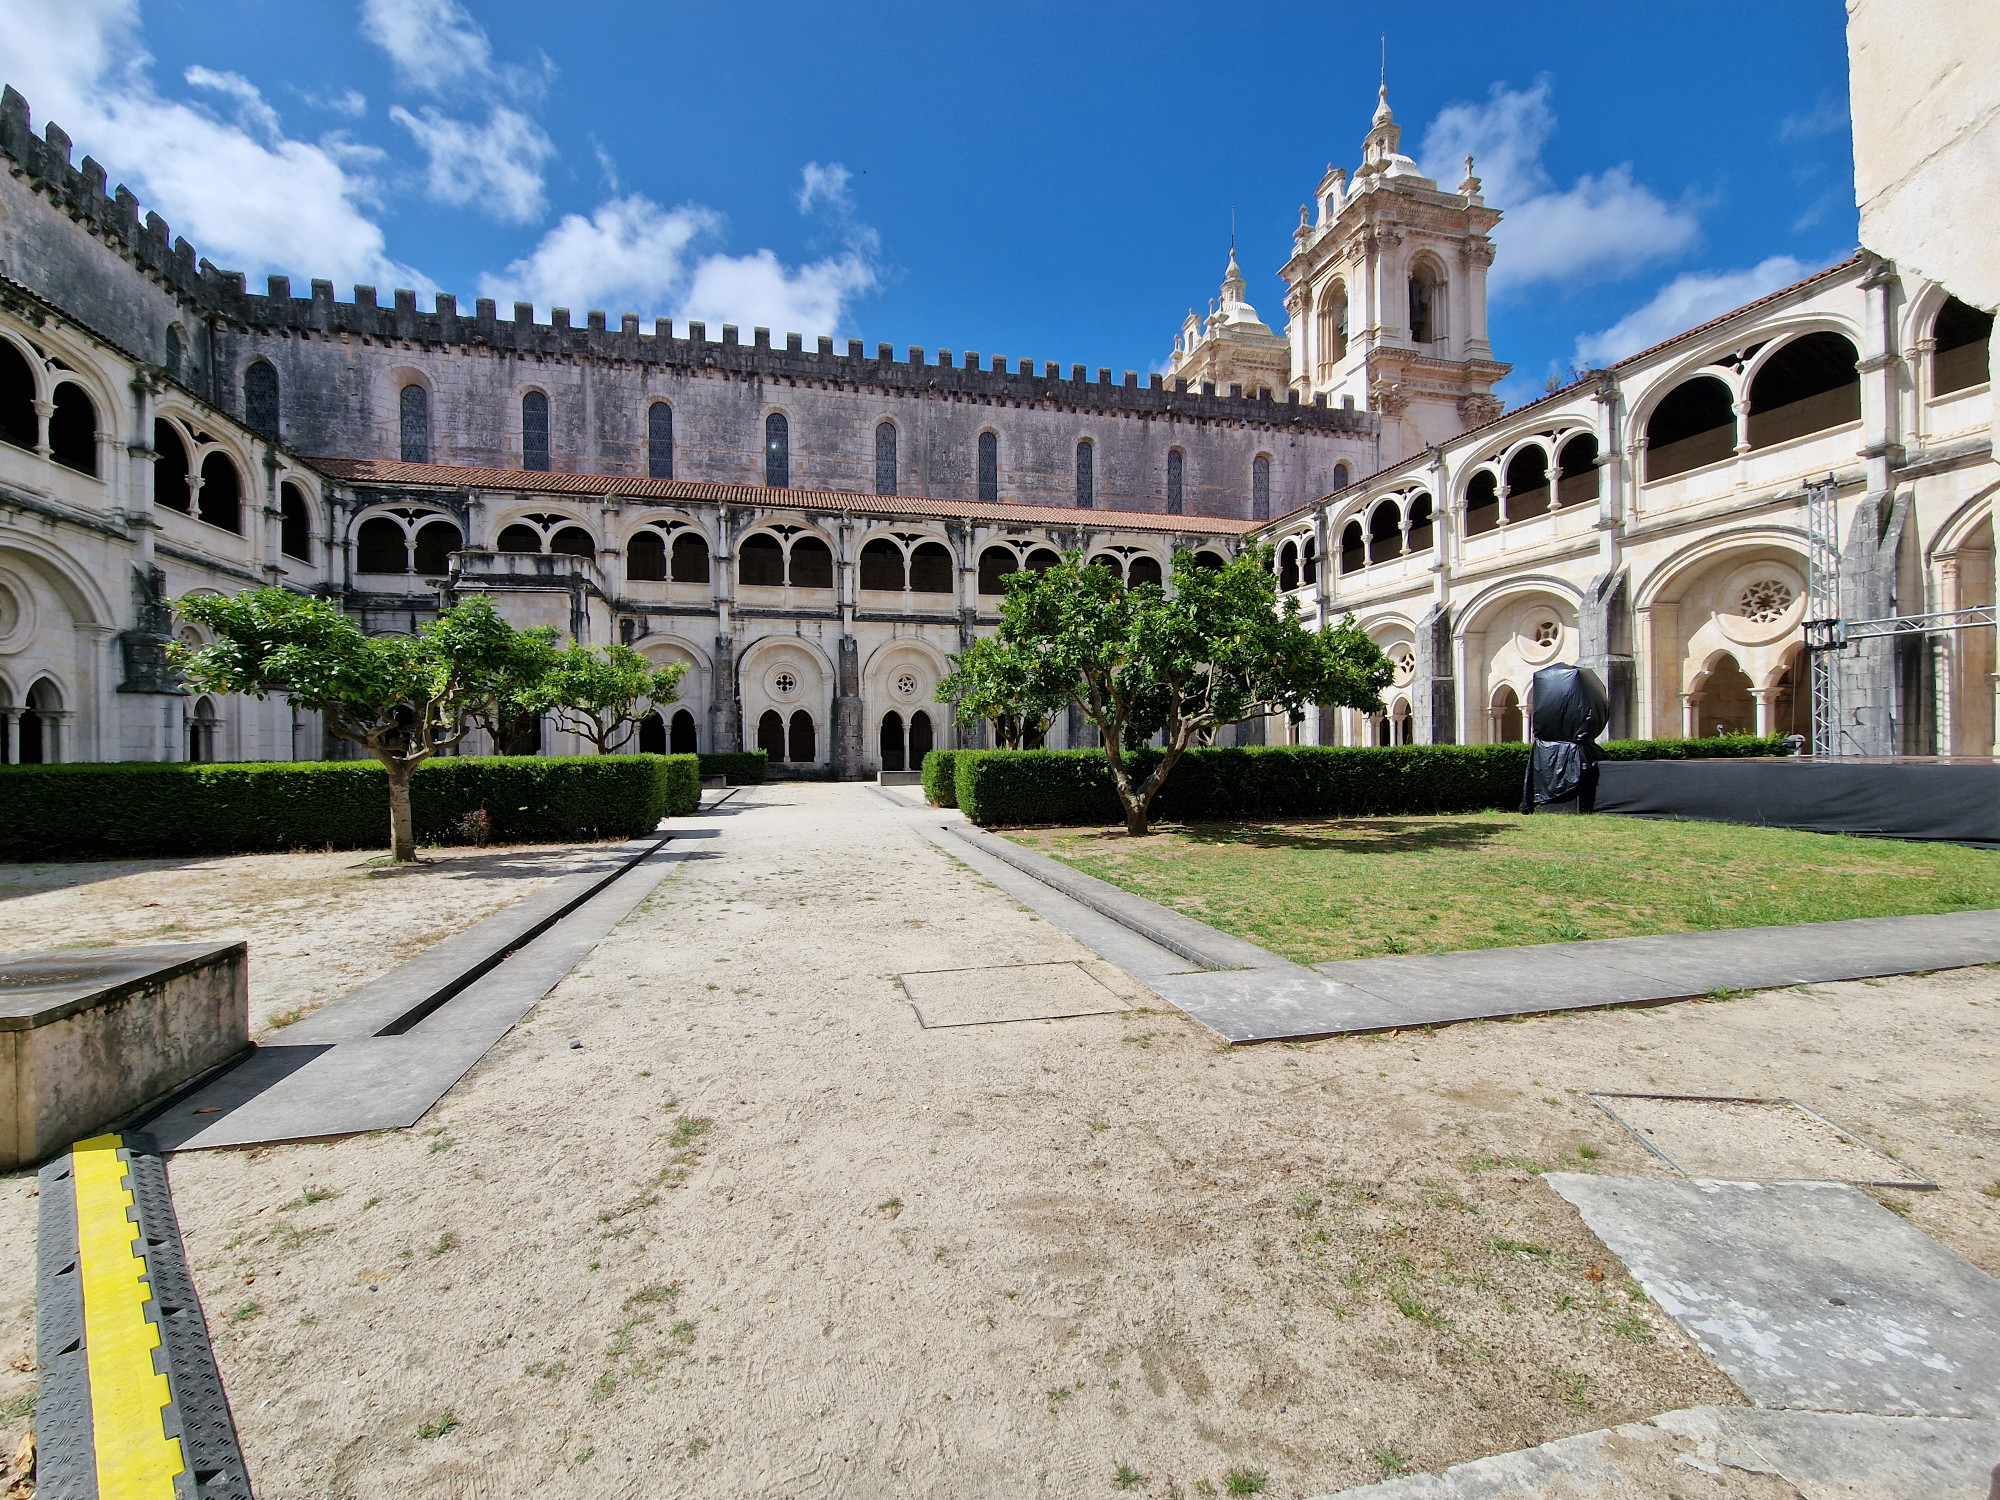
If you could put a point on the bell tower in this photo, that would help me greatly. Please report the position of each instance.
(1387, 296)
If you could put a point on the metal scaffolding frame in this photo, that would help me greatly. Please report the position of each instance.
(1828, 632)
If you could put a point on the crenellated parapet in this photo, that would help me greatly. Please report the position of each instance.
(80, 191)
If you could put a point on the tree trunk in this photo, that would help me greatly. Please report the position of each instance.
(402, 830)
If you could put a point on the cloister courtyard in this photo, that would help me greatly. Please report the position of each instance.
(723, 1216)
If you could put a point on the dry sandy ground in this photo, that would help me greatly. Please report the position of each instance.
(318, 925)
(763, 1235)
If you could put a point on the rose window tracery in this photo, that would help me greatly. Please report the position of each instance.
(1765, 600)
(907, 684)
(1547, 633)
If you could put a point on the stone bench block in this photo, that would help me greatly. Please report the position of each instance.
(87, 1037)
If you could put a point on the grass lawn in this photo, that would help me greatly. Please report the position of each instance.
(1318, 890)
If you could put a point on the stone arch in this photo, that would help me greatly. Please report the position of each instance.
(1507, 724)
(1692, 425)
(295, 521)
(1332, 327)
(1806, 384)
(1385, 531)
(1576, 468)
(1742, 595)
(73, 427)
(1353, 547)
(760, 560)
(1420, 523)
(1527, 469)
(1144, 567)
(788, 674)
(220, 501)
(1512, 630)
(883, 565)
(20, 389)
(1480, 500)
(996, 561)
(901, 676)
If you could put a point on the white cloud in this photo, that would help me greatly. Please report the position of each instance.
(1602, 226)
(634, 255)
(824, 184)
(1687, 301)
(497, 165)
(1827, 117)
(244, 193)
(434, 44)
(349, 102)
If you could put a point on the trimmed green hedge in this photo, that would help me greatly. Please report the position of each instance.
(94, 811)
(940, 778)
(742, 767)
(995, 787)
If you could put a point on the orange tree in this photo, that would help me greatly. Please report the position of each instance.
(1214, 647)
(401, 698)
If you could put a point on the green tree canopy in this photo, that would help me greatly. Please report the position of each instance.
(600, 694)
(995, 682)
(1216, 647)
(402, 698)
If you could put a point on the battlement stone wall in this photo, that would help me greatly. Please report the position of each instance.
(342, 367)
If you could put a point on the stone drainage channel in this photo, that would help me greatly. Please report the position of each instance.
(130, 1402)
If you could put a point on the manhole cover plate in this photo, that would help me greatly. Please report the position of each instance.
(1014, 992)
(1752, 1140)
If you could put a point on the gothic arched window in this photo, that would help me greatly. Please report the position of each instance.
(1176, 482)
(416, 417)
(176, 350)
(260, 397)
(1961, 338)
(777, 452)
(535, 432)
(1426, 305)
(659, 441)
(294, 523)
(170, 468)
(885, 458)
(989, 468)
(1260, 487)
(221, 501)
(73, 429)
(1086, 474)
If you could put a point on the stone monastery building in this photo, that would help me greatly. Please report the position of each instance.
(815, 530)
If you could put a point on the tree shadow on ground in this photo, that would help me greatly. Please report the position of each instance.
(1373, 836)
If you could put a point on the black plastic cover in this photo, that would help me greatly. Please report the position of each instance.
(1570, 711)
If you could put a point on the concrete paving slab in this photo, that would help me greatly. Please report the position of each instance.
(1753, 1140)
(1822, 1455)
(1807, 1295)
(1010, 992)
(289, 1091)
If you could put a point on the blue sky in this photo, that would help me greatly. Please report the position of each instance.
(1042, 181)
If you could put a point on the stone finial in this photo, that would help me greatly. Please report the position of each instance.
(1471, 185)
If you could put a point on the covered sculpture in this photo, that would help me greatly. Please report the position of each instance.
(1569, 712)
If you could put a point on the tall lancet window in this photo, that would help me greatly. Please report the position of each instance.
(1260, 488)
(1086, 475)
(989, 468)
(659, 441)
(777, 452)
(416, 419)
(885, 458)
(535, 432)
(1176, 482)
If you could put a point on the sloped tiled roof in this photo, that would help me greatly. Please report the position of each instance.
(446, 476)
